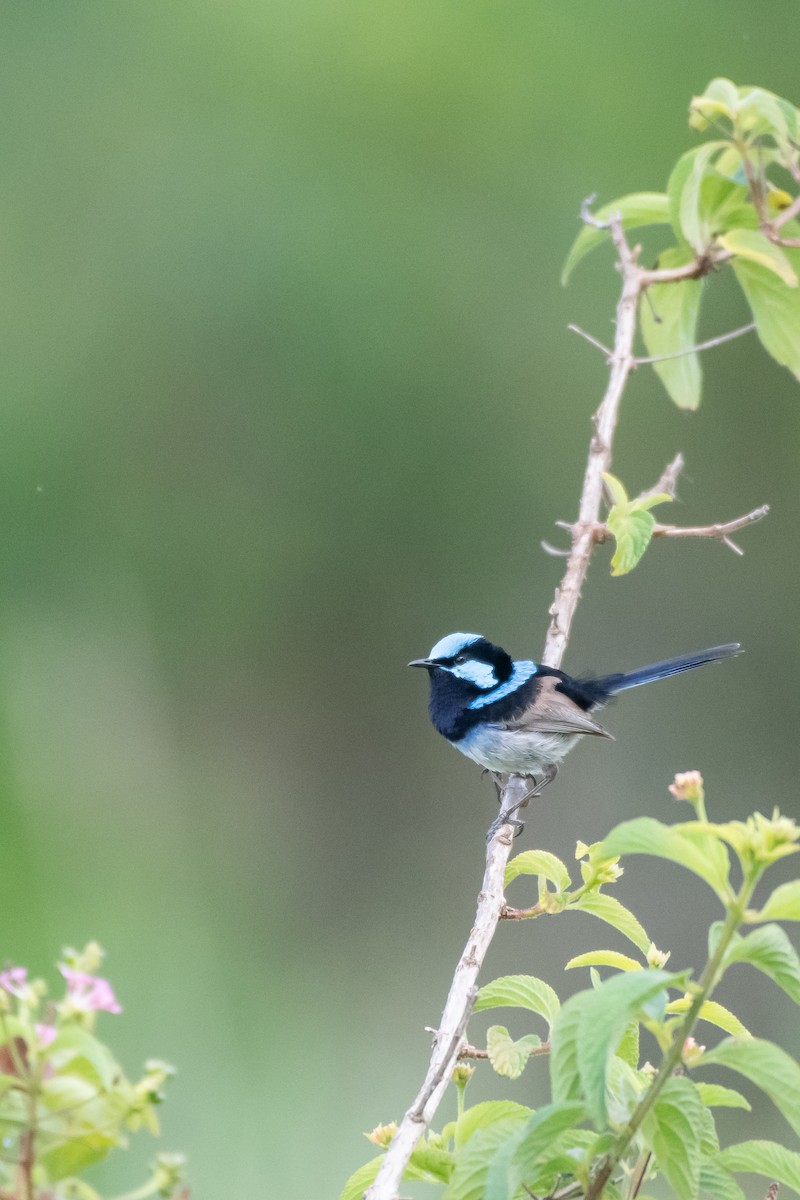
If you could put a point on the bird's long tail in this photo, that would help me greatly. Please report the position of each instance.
(611, 684)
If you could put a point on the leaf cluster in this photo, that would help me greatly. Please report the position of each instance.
(65, 1101)
(615, 1121)
(726, 202)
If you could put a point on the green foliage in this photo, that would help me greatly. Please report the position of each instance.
(62, 1092)
(631, 523)
(669, 328)
(672, 1130)
(520, 991)
(643, 1118)
(724, 207)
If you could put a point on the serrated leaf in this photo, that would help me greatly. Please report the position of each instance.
(539, 862)
(509, 1058)
(609, 909)
(714, 1095)
(604, 958)
(782, 905)
(481, 1116)
(769, 950)
(669, 326)
(763, 1158)
(519, 991)
(673, 1131)
(632, 531)
(775, 308)
(753, 245)
(628, 1048)
(714, 1013)
(645, 835)
(637, 209)
(589, 1030)
(717, 1182)
(765, 1065)
(472, 1161)
(517, 1161)
(432, 1162)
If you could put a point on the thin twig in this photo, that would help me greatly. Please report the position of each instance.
(720, 532)
(592, 340)
(716, 341)
(669, 478)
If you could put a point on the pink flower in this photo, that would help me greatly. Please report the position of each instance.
(14, 980)
(89, 993)
(46, 1034)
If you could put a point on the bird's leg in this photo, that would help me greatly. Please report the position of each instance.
(541, 784)
(506, 816)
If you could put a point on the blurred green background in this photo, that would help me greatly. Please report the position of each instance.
(288, 394)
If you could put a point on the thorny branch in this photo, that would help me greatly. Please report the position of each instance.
(491, 900)
(719, 532)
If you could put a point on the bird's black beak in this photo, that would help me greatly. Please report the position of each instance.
(421, 662)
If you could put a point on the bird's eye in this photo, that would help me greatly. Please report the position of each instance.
(462, 657)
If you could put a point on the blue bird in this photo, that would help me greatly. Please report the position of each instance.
(521, 717)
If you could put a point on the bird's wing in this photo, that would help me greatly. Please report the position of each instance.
(553, 712)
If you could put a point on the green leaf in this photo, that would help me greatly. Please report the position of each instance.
(589, 1030)
(608, 909)
(717, 1182)
(782, 905)
(632, 532)
(693, 217)
(517, 1161)
(76, 1051)
(753, 245)
(760, 113)
(519, 991)
(672, 1130)
(645, 835)
(361, 1179)
(472, 1161)
(720, 99)
(508, 1057)
(714, 1095)
(775, 308)
(628, 1048)
(604, 958)
(70, 1157)
(539, 862)
(764, 1158)
(765, 1065)
(669, 326)
(481, 1116)
(714, 1013)
(638, 209)
(769, 950)
(617, 490)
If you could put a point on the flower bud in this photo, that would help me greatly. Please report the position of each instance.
(382, 1135)
(688, 786)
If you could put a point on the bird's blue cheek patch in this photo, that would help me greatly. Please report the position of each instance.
(522, 672)
(477, 672)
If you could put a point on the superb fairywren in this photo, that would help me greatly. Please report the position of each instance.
(522, 718)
